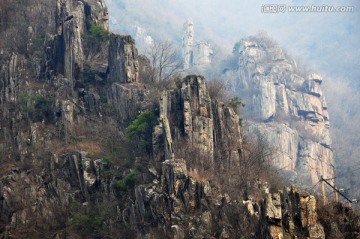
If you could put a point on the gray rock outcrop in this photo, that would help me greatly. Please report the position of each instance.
(189, 113)
(196, 55)
(188, 42)
(288, 213)
(123, 60)
(287, 108)
(68, 171)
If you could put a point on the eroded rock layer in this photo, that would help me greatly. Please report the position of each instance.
(286, 106)
(68, 93)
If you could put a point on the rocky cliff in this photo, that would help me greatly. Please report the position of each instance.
(197, 56)
(286, 105)
(208, 126)
(88, 151)
(55, 92)
(188, 200)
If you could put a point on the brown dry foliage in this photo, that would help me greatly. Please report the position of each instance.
(4, 4)
(255, 166)
(88, 146)
(339, 221)
(217, 90)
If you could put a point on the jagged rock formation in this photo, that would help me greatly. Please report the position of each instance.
(63, 102)
(123, 59)
(195, 54)
(188, 43)
(38, 198)
(289, 108)
(49, 94)
(190, 201)
(289, 213)
(208, 125)
(143, 40)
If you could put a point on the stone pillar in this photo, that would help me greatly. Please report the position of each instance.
(123, 60)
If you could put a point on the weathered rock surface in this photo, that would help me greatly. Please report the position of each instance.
(44, 103)
(180, 202)
(123, 60)
(283, 140)
(196, 55)
(189, 113)
(289, 214)
(58, 99)
(171, 202)
(97, 12)
(289, 109)
(40, 197)
(128, 100)
(71, 31)
(197, 114)
(188, 42)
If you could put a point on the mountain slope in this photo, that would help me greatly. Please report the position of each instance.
(286, 106)
(88, 151)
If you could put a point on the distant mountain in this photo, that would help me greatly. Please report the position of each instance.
(309, 38)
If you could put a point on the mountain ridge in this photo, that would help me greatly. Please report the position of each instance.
(89, 151)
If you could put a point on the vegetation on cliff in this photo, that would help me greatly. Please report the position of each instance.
(89, 151)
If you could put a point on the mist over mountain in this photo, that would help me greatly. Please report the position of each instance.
(324, 42)
(106, 135)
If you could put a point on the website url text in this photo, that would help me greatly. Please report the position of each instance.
(282, 8)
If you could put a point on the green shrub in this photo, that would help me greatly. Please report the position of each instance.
(107, 159)
(41, 105)
(37, 106)
(139, 133)
(97, 33)
(84, 224)
(235, 102)
(128, 182)
(75, 139)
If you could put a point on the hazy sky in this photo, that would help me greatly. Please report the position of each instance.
(328, 42)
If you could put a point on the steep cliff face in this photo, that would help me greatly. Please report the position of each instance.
(288, 107)
(187, 202)
(188, 43)
(54, 91)
(123, 59)
(209, 126)
(290, 213)
(70, 170)
(196, 55)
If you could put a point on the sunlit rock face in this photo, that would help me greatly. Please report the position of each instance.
(143, 41)
(282, 211)
(188, 43)
(196, 54)
(286, 105)
(59, 106)
(202, 54)
(123, 59)
(209, 126)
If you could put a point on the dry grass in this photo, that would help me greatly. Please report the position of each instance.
(92, 147)
(5, 167)
(194, 174)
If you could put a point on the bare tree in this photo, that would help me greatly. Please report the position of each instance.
(165, 61)
(217, 89)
